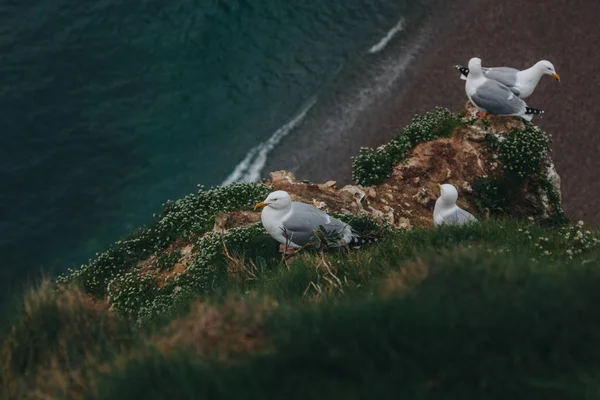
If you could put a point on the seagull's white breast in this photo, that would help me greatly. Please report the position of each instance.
(272, 221)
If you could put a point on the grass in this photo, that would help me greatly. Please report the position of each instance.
(490, 311)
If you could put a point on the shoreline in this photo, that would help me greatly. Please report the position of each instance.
(495, 33)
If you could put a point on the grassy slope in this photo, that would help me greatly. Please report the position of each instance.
(500, 309)
(453, 313)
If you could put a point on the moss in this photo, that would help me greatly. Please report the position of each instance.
(523, 154)
(137, 294)
(557, 215)
(373, 166)
(167, 259)
(183, 219)
(495, 194)
(523, 151)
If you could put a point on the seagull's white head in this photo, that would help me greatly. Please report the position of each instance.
(278, 200)
(448, 194)
(475, 66)
(545, 67)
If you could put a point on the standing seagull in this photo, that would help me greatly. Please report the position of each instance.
(446, 211)
(293, 223)
(493, 97)
(521, 83)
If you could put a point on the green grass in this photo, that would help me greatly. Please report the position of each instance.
(483, 323)
(496, 310)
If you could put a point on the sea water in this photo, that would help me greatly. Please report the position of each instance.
(109, 108)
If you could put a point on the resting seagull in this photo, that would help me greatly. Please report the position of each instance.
(521, 83)
(294, 223)
(492, 97)
(446, 211)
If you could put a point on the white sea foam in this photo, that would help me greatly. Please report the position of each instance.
(249, 169)
(388, 37)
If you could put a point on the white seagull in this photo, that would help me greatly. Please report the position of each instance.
(293, 223)
(490, 96)
(446, 211)
(521, 82)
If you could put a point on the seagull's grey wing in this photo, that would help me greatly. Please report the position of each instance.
(459, 217)
(505, 75)
(463, 216)
(305, 219)
(496, 98)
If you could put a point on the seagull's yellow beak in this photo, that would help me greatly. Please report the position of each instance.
(260, 206)
(555, 76)
(438, 185)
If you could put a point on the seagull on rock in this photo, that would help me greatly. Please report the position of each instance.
(446, 212)
(490, 96)
(293, 224)
(521, 82)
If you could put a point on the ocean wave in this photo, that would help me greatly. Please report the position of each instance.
(388, 37)
(249, 169)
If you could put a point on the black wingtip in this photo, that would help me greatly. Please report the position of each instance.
(534, 111)
(463, 70)
(357, 242)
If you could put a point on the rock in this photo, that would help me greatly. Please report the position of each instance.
(282, 175)
(319, 204)
(422, 196)
(220, 221)
(466, 187)
(467, 156)
(356, 193)
(228, 220)
(404, 223)
(329, 185)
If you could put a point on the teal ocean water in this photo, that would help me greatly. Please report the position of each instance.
(109, 108)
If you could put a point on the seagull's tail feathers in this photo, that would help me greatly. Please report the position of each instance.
(530, 112)
(464, 71)
(358, 241)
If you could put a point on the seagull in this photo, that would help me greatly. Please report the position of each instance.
(490, 96)
(446, 211)
(293, 223)
(521, 82)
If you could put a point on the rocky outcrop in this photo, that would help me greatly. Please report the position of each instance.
(500, 166)
(474, 156)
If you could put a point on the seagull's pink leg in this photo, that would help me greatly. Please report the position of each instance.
(481, 114)
(287, 250)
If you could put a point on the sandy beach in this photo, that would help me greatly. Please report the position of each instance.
(512, 33)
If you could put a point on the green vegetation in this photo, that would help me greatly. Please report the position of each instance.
(133, 288)
(184, 219)
(373, 166)
(506, 308)
(491, 310)
(523, 151)
(524, 159)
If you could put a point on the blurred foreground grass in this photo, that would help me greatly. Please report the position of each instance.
(497, 310)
